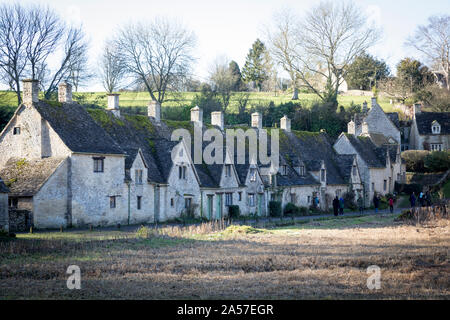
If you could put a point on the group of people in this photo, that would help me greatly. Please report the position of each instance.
(423, 198)
(338, 206)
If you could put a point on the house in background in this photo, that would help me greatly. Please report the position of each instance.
(4, 216)
(429, 130)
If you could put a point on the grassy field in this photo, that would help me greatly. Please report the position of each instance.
(141, 99)
(322, 259)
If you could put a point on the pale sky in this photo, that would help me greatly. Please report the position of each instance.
(228, 28)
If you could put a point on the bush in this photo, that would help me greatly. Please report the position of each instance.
(349, 200)
(291, 209)
(275, 208)
(415, 160)
(233, 211)
(143, 232)
(408, 188)
(437, 161)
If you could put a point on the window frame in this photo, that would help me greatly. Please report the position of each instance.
(112, 202)
(252, 174)
(16, 131)
(251, 199)
(139, 202)
(228, 198)
(99, 160)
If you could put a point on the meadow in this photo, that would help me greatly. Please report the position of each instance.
(313, 259)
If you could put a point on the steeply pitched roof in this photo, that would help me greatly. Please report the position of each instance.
(425, 119)
(368, 151)
(394, 118)
(26, 177)
(345, 165)
(3, 187)
(78, 131)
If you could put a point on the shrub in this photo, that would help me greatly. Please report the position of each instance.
(437, 161)
(408, 188)
(349, 200)
(291, 209)
(233, 211)
(303, 211)
(143, 232)
(275, 208)
(415, 160)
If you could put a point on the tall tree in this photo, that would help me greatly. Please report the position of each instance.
(236, 71)
(223, 82)
(413, 74)
(324, 43)
(254, 68)
(156, 54)
(111, 67)
(365, 71)
(433, 41)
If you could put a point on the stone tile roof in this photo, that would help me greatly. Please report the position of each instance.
(3, 187)
(425, 119)
(76, 128)
(345, 165)
(368, 151)
(393, 116)
(26, 177)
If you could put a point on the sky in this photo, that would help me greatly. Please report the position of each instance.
(228, 28)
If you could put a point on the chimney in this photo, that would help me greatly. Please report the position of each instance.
(417, 108)
(285, 123)
(364, 109)
(374, 101)
(351, 129)
(217, 119)
(30, 91)
(257, 120)
(154, 110)
(65, 92)
(365, 128)
(113, 104)
(197, 115)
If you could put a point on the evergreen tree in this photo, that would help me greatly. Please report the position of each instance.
(254, 68)
(365, 71)
(236, 71)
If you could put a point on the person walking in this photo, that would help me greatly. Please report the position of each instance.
(428, 198)
(360, 203)
(412, 200)
(376, 202)
(335, 206)
(341, 206)
(421, 198)
(391, 204)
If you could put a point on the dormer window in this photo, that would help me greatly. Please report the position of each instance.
(354, 170)
(322, 175)
(283, 170)
(302, 170)
(16, 131)
(435, 127)
(228, 170)
(252, 174)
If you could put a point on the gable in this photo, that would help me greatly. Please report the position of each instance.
(424, 122)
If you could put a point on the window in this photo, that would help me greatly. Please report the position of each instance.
(338, 192)
(309, 199)
(436, 147)
(302, 170)
(228, 199)
(251, 199)
(13, 202)
(283, 170)
(16, 130)
(252, 174)
(384, 185)
(98, 164)
(138, 176)
(182, 172)
(240, 196)
(293, 198)
(112, 202)
(171, 202)
(436, 129)
(354, 170)
(187, 203)
(139, 202)
(373, 186)
(228, 170)
(322, 175)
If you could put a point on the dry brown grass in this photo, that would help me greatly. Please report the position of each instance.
(314, 260)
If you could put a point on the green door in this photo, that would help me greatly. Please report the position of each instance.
(260, 203)
(219, 207)
(209, 207)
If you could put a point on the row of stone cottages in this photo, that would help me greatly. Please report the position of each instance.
(69, 165)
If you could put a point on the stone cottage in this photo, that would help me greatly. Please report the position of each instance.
(429, 130)
(69, 165)
(4, 219)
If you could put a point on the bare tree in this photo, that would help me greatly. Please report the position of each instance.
(13, 39)
(433, 40)
(156, 54)
(323, 44)
(223, 81)
(75, 51)
(111, 67)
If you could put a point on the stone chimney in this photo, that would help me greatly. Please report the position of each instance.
(257, 120)
(113, 104)
(285, 123)
(374, 101)
(364, 108)
(364, 128)
(65, 92)
(154, 110)
(351, 128)
(197, 115)
(30, 91)
(217, 119)
(417, 108)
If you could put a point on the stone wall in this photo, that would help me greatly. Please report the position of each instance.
(20, 220)
(4, 224)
